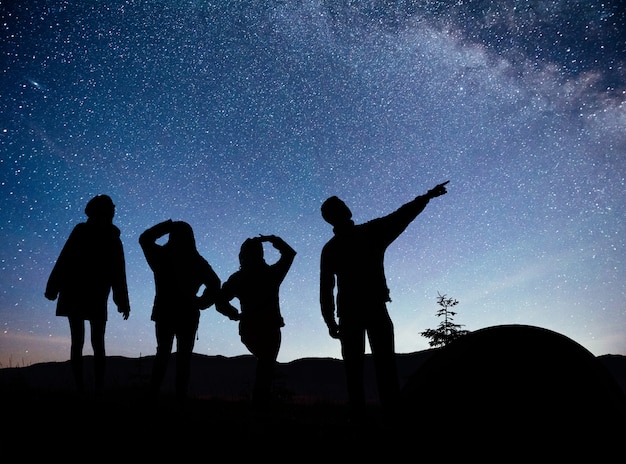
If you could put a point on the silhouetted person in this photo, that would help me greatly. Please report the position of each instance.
(90, 265)
(179, 274)
(354, 260)
(256, 284)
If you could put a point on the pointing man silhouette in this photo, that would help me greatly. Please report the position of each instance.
(353, 260)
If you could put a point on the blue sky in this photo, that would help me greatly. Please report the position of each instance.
(242, 117)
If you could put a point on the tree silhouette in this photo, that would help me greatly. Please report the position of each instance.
(447, 329)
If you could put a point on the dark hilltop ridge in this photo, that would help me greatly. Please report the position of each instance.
(500, 392)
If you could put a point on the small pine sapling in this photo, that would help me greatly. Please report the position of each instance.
(447, 330)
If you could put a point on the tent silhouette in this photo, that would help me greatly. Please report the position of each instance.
(514, 387)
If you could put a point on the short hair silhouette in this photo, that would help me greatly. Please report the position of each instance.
(334, 211)
(100, 206)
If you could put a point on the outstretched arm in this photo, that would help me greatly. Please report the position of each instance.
(437, 190)
(391, 226)
(417, 205)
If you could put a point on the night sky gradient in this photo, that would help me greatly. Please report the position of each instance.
(242, 117)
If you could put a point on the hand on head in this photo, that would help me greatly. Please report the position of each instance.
(266, 238)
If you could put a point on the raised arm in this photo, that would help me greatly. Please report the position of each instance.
(287, 253)
(391, 226)
(437, 190)
(148, 238)
(152, 234)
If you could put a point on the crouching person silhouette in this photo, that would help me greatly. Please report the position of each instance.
(179, 274)
(90, 265)
(256, 284)
(353, 259)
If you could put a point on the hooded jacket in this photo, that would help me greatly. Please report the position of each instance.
(90, 265)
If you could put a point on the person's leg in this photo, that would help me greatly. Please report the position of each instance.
(165, 340)
(264, 344)
(185, 338)
(98, 329)
(381, 340)
(77, 333)
(353, 353)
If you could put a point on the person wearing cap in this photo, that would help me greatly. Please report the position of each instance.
(91, 265)
(353, 261)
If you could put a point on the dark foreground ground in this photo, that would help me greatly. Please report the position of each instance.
(503, 394)
(129, 426)
(126, 426)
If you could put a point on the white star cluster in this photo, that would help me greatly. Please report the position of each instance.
(242, 117)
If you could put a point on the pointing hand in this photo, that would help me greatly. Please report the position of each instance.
(438, 190)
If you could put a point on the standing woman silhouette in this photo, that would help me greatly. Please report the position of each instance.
(179, 274)
(90, 265)
(256, 284)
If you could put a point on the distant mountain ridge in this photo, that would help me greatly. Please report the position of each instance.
(212, 376)
(232, 377)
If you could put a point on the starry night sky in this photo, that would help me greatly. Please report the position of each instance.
(242, 117)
